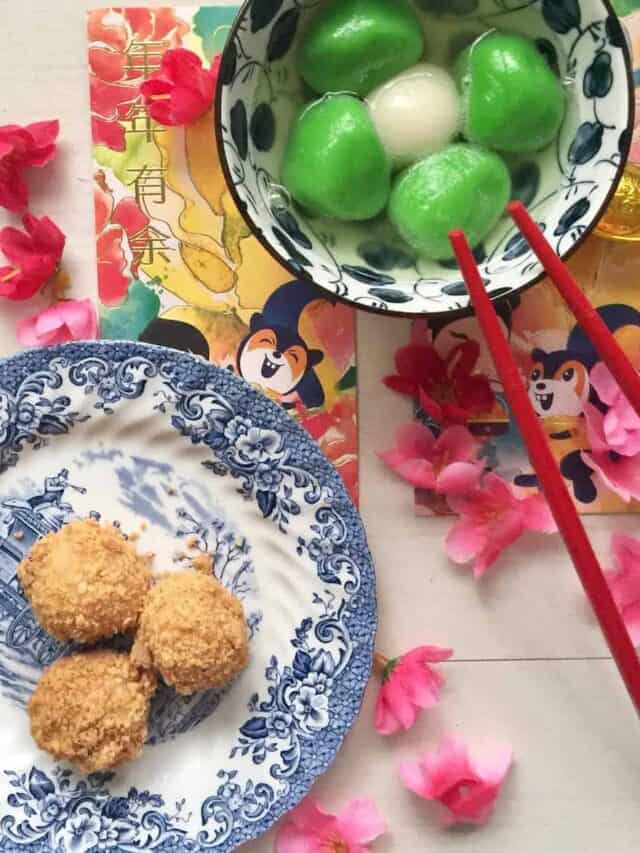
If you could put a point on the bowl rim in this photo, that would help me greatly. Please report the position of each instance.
(297, 273)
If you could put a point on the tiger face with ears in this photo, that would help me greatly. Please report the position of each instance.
(558, 384)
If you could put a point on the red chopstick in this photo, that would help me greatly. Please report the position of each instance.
(586, 315)
(549, 476)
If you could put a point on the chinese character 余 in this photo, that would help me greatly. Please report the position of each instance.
(146, 244)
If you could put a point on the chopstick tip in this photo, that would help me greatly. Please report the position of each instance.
(519, 213)
(457, 238)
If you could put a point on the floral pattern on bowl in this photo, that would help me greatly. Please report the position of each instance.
(128, 433)
(567, 187)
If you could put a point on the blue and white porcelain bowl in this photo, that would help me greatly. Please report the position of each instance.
(567, 187)
(130, 433)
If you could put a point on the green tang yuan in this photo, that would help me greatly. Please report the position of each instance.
(513, 100)
(461, 186)
(334, 164)
(355, 45)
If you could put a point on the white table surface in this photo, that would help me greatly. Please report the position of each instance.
(530, 666)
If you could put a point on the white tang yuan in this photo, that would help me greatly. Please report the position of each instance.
(416, 113)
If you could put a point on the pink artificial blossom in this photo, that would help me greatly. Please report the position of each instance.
(447, 464)
(70, 320)
(619, 474)
(181, 90)
(492, 517)
(624, 581)
(409, 684)
(23, 148)
(33, 254)
(467, 788)
(311, 829)
(618, 429)
(614, 438)
(447, 389)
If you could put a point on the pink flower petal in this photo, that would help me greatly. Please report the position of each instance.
(395, 710)
(183, 67)
(424, 690)
(420, 364)
(421, 333)
(494, 764)
(427, 654)
(492, 517)
(416, 440)
(631, 616)
(411, 458)
(606, 386)
(621, 475)
(14, 193)
(386, 721)
(498, 491)
(464, 541)
(476, 394)
(447, 766)
(420, 682)
(70, 320)
(430, 406)
(624, 581)
(467, 789)
(618, 428)
(44, 135)
(311, 817)
(537, 515)
(21, 148)
(291, 839)
(457, 444)
(410, 684)
(629, 417)
(34, 255)
(401, 385)
(310, 829)
(184, 107)
(459, 478)
(595, 428)
(360, 822)
(626, 551)
(500, 538)
(418, 472)
(190, 88)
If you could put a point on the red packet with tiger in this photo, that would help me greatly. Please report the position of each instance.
(176, 262)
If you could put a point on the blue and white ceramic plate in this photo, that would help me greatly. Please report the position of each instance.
(567, 187)
(129, 433)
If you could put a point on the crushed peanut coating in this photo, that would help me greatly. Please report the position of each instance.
(202, 563)
(91, 709)
(192, 630)
(85, 582)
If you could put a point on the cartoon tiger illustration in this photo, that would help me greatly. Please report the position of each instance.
(559, 388)
(274, 356)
